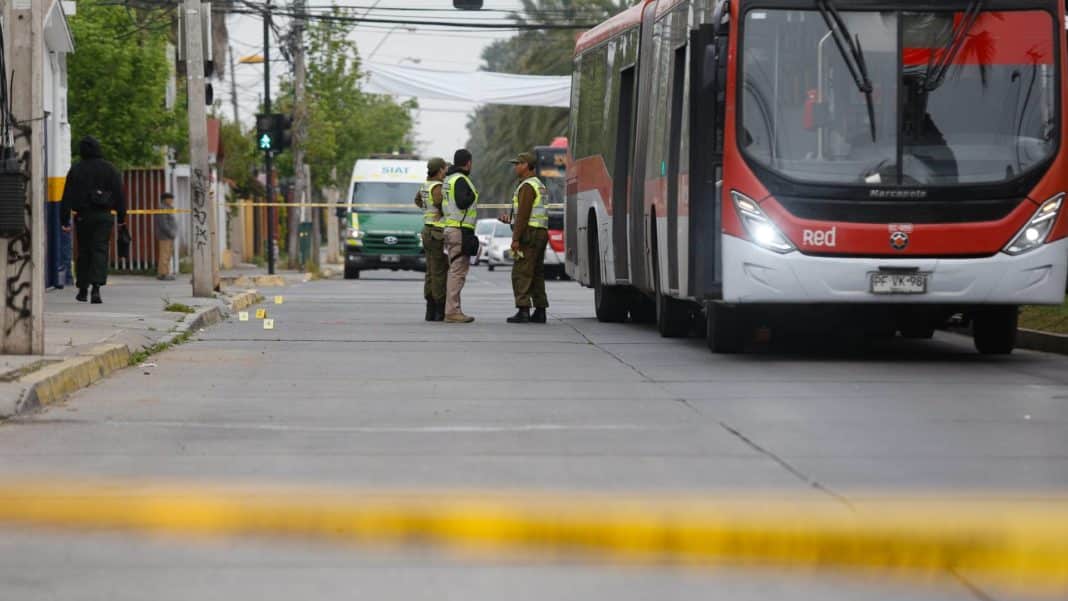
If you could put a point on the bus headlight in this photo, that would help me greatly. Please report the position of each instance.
(1037, 230)
(760, 229)
(353, 233)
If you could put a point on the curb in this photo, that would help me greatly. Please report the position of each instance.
(53, 383)
(1032, 340)
(1042, 341)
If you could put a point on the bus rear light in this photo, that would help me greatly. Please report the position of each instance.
(1037, 230)
(760, 229)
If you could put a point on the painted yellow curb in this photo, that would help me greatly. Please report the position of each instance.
(245, 300)
(54, 382)
(1021, 545)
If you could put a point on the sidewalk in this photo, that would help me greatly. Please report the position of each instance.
(85, 342)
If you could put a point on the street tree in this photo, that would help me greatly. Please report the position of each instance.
(117, 82)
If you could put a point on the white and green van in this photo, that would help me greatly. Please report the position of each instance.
(383, 223)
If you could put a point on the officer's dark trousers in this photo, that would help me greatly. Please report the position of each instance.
(93, 230)
(528, 271)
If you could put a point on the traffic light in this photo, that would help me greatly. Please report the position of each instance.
(273, 132)
(467, 4)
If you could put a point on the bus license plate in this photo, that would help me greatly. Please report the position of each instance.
(390, 258)
(898, 283)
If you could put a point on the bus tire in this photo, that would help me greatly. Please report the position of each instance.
(994, 330)
(609, 302)
(351, 273)
(673, 317)
(643, 309)
(726, 329)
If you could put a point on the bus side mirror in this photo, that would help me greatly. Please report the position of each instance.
(341, 212)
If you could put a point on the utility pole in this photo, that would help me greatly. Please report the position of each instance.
(333, 241)
(300, 124)
(22, 257)
(268, 167)
(233, 88)
(202, 203)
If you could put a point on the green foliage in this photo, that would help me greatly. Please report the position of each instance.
(344, 123)
(498, 133)
(117, 80)
(178, 307)
(242, 159)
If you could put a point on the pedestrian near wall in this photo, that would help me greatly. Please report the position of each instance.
(459, 206)
(93, 190)
(429, 199)
(530, 235)
(166, 226)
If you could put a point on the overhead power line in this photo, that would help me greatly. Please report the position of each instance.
(465, 24)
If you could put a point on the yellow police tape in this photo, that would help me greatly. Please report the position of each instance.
(156, 211)
(1021, 544)
(368, 206)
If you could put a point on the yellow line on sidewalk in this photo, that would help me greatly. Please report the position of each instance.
(1023, 545)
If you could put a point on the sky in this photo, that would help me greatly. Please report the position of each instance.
(441, 126)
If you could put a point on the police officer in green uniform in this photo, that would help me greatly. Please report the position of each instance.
(437, 266)
(530, 235)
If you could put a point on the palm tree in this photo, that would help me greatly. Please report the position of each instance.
(497, 133)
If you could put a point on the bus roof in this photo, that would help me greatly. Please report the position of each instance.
(380, 170)
(628, 19)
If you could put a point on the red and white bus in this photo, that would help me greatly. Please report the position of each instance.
(737, 164)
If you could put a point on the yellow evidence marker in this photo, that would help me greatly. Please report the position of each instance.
(261, 313)
(242, 316)
(268, 324)
(278, 300)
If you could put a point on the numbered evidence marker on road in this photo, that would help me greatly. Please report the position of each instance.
(261, 313)
(268, 324)
(242, 316)
(278, 300)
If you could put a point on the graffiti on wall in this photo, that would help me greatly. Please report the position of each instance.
(199, 205)
(19, 283)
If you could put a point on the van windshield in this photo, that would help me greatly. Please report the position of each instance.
(385, 196)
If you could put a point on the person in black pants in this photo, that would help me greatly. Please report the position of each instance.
(93, 190)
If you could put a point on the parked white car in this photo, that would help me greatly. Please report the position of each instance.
(498, 245)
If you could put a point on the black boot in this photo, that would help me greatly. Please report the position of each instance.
(83, 294)
(522, 315)
(96, 300)
(439, 311)
(538, 316)
(431, 310)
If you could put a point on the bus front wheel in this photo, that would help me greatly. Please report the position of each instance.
(994, 329)
(726, 328)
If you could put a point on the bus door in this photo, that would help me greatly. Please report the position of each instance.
(708, 82)
(637, 224)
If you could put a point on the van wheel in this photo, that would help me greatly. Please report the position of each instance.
(994, 330)
(609, 302)
(726, 328)
(351, 273)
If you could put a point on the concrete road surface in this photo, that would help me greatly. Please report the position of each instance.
(353, 389)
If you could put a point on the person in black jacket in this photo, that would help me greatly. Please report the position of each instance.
(92, 191)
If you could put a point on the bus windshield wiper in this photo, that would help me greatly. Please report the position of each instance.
(852, 54)
(936, 74)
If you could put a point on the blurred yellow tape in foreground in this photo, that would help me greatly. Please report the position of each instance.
(1019, 544)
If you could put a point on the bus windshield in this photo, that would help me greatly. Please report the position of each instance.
(552, 171)
(988, 116)
(385, 196)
